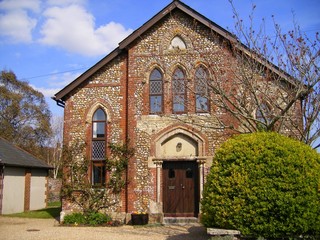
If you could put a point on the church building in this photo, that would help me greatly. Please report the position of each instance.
(154, 90)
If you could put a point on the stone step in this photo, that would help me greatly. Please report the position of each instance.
(180, 220)
(232, 234)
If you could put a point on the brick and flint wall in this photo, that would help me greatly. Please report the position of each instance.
(121, 88)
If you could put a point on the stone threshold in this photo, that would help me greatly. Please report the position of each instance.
(180, 220)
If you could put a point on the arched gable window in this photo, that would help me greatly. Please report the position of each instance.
(156, 92)
(177, 43)
(201, 90)
(98, 149)
(179, 91)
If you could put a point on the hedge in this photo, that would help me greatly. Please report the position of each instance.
(264, 184)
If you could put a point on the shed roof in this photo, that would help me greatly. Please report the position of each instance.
(11, 155)
(62, 95)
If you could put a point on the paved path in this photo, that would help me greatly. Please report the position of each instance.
(48, 229)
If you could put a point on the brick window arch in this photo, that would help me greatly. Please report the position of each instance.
(98, 148)
(201, 90)
(156, 91)
(179, 91)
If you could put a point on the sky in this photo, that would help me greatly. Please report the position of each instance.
(49, 43)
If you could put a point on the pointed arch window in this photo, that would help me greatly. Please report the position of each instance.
(156, 92)
(201, 90)
(179, 91)
(264, 114)
(98, 148)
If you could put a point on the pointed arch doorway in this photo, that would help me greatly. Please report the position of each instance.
(178, 152)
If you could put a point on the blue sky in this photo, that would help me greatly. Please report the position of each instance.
(48, 43)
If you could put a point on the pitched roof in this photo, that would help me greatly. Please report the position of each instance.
(62, 95)
(11, 155)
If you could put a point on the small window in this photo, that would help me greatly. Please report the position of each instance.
(98, 173)
(177, 43)
(98, 124)
(172, 173)
(189, 173)
(201, 89)
(98, 150)
(156, 92)
(179, 91)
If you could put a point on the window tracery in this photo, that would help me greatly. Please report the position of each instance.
(179, 91)
(156, 92)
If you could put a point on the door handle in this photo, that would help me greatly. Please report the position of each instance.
(182, 186)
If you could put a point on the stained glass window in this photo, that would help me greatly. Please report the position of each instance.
(201, 89)
(263, 113)
(156, 92)
(179, 91)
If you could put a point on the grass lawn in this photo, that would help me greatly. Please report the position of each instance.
(52, 211)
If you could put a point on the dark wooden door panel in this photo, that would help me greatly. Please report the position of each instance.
(189, 188)
(180, 180)
(173, 199)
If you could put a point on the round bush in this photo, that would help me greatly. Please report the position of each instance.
(264, 184)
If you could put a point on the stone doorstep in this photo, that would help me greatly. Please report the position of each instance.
(180, 220)
(219, 232)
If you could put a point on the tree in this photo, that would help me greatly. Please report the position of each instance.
(25, 117)
(264, 184)
(260, 82)
(302, 62)
(297, 57)
(55, 145)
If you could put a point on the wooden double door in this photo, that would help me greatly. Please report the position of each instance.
(180, 188)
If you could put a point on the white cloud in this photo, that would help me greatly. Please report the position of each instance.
(47, 92)
(62, 79)
(17, 26)
(55, 83)
(65, 2)
(111, 34)
(73, 28)
(33, 5)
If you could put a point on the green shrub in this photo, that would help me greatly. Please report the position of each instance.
(97, 219)
(92, 218)
(264, 184)
(74, 218)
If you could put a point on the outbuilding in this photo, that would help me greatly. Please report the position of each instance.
(23, 180)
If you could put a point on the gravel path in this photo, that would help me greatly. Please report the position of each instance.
(48, 229)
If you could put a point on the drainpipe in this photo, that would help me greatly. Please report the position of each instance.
(126, 131)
